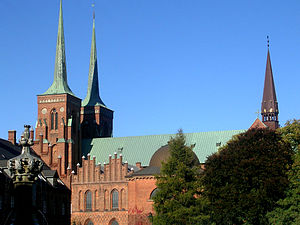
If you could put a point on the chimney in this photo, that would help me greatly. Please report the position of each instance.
(12, 136)
(138, 165)
(32, 134)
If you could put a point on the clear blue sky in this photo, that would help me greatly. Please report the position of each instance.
(163, 64)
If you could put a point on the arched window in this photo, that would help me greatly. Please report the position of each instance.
(88, 201)
(153, 193)
(113, 222)
(90, 223)
(54, 120)
(115, 199)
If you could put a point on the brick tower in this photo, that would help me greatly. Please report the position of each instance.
(58, 124)
(96, 119)
(269, 105)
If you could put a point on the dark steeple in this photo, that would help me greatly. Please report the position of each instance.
(60, 84)
(269, 105)
(93, 98)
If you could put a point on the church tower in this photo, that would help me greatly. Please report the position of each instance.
(96, 119)
(58, 124)
(269, 105)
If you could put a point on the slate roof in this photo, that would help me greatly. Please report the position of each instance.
(148, 171)
(49, 173)
(8, 151)
(141, 148)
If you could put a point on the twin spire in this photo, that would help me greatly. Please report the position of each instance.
(93, 98)
(60, 83)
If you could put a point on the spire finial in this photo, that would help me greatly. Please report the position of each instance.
(268, 41)
(93, 6)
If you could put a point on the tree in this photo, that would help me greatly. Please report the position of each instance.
(287, 211)
(291, 134)
(246, 177)
(178, 200)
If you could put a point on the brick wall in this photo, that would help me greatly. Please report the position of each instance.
(100, 182)
(139, 203)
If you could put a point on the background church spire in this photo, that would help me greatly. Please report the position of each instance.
(269, 106)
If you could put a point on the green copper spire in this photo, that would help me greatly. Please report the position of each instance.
(93, 98)
(60, 84)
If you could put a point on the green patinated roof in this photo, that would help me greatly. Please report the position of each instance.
(61, 140)
(93, 97)
(141, 148)
(60, 84)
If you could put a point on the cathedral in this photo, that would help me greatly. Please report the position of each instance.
(112, 180)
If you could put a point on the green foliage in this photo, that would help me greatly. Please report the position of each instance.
(291, 133)
(246, 177)
(178, 200)
(287, 211)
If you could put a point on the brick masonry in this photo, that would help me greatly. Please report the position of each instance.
(101, 181)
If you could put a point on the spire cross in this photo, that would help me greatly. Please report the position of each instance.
(268, 41)
(257, 113)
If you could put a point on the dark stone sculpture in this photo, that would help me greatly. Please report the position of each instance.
(24, 170)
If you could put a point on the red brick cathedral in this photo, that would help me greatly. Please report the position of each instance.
(112, 179)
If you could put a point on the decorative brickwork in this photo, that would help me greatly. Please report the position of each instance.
(108, 188)
(57, 138)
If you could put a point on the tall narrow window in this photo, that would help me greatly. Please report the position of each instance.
(56, 120)
(52, 120)
(88, 201)
(115, 199)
